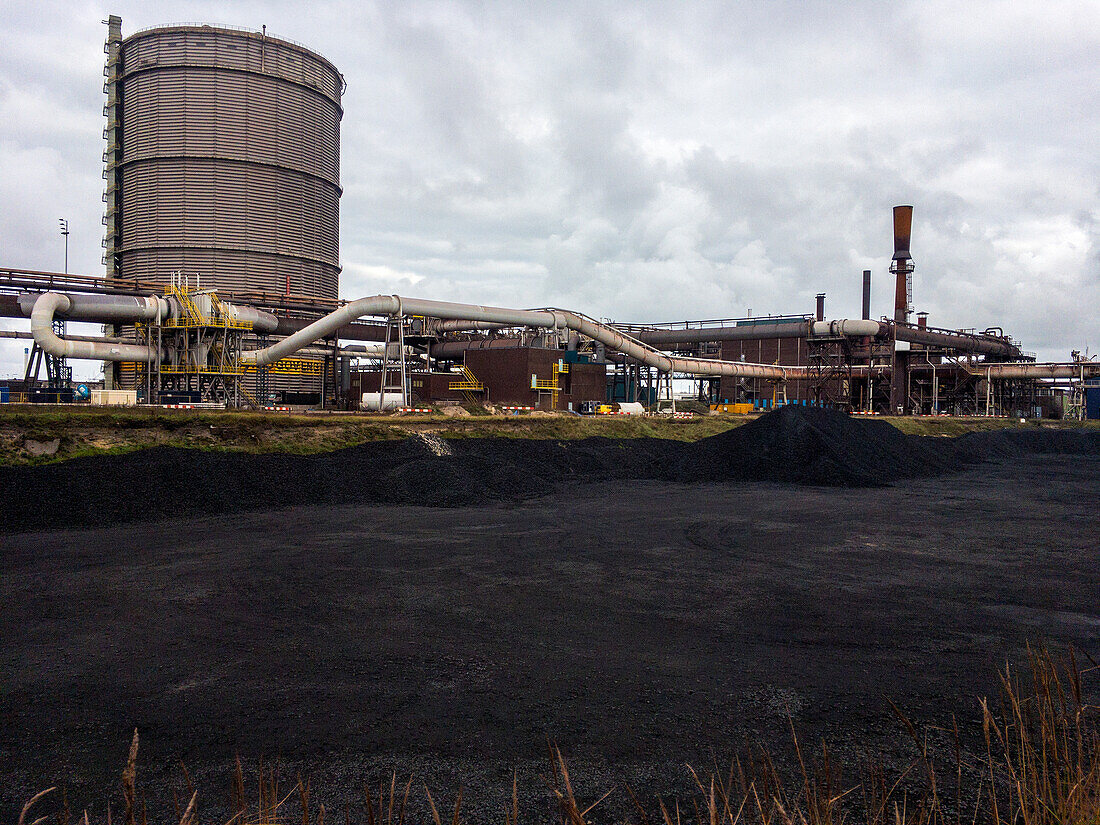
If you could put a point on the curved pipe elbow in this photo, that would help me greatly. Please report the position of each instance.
(42, 316)
(262, 322)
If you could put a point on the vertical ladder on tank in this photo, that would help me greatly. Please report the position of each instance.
(395, 323)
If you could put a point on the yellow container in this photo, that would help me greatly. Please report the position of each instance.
(736, 409)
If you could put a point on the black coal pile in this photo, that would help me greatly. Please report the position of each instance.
(810, 445)
(426, 470)
(1008, 444)
(793, 444)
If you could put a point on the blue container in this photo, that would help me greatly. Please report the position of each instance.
(1092, 403)
(4, 395)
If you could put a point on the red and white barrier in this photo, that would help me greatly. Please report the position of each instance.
(414, 409)
(517, 409)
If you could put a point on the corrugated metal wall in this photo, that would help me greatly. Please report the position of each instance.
(230, 161)
(223, 162)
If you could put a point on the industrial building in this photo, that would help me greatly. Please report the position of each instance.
(222, 172)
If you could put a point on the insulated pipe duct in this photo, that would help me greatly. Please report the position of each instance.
(459, 325)
(1079, 370)
(354, 351)
(849, 328)
(122, 308)
(1076, 370)
(984, 344)
(966, 343)
(669, 338)
(102, 308)
(42, 315)
(393, 305)
(451, 350)
(12, 333)
(262, 322)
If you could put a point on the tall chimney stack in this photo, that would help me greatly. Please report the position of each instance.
(902, 264)
(866, 295)
(821, 306)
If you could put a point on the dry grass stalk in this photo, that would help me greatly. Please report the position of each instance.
(129, 781)
(188, 817)
(381, 811)
(1041, 766)
(562, 788)
(30, 804)
(1045, 742)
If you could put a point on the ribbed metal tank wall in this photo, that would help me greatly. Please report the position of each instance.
(229, 161)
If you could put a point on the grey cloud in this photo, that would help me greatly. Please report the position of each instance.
(653, 160)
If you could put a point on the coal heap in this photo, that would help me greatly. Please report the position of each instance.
(794, 444)
(1009, 444)
(812, 445)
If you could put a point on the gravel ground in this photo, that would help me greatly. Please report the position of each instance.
(640, 624)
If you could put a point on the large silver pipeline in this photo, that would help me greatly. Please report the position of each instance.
(1075, 369)
(965, 342)
(262, 322)
(458, 325)
(847, 328)
(394, 305)
(855, 328)
(112, 309)
(104, 339)
(685, 336)
(107, 309)
(102, 308)
(42, 317)
(646, 354)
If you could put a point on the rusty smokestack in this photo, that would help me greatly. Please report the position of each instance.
(866, 295)
(903, 231)
(902, 264)
(821, 306)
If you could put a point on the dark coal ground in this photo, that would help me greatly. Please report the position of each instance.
(623, 599)
(794, 444)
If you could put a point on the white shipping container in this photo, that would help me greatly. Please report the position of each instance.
(115, 398)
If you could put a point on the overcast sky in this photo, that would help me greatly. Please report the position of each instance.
(651, 161)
